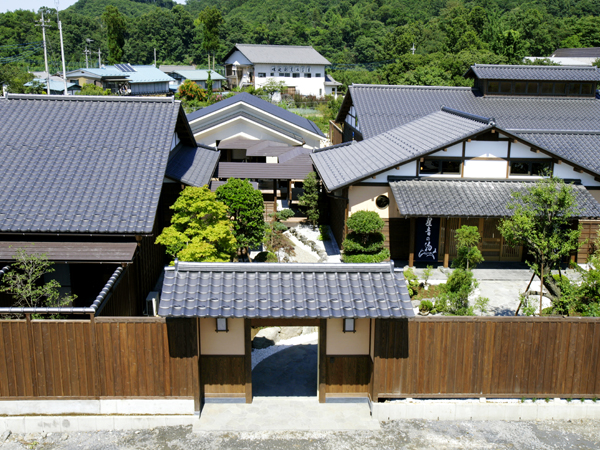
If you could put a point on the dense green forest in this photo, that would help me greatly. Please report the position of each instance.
(368, 41)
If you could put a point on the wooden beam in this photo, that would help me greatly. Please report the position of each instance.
(248, 360)
(577, 169)
(285, 322)
(198, 391)
(493, 131)
(290, 193)
(447, 244)
(375, 388)
(322, 360)
(411, 242)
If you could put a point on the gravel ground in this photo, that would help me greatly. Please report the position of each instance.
(415, 434)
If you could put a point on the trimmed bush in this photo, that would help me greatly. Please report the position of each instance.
(365, 242)
(376, 258)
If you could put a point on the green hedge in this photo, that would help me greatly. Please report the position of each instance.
(383, 255)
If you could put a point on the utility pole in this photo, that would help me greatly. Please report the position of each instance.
(86, 52)
(99, 59)
(154, 57)
(44, 24)
(62, 48)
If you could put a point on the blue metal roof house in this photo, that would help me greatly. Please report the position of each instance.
(124, 79)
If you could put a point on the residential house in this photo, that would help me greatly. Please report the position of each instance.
(200, 77)
(259, 141)
(124, 79)
(573, 56)
(429, 159)
(88, 182)
(301, 68)
(57, 84)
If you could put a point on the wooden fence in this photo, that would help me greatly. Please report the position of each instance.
(510, 357)
(108, 357)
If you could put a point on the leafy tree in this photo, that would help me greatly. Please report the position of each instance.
(15, 77)
(189, 90)
(275, 240)
(200, 229)
(24, 282)
(92, 89)
(309, 199)
(210, 19)
(365, 242)
(115, 31)
(271, 87)
(468, 255)
(246, 211)
(542, 221)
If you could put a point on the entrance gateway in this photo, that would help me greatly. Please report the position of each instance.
(344, 300)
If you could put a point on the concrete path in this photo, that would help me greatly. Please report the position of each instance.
(285, 414)
(288, 373)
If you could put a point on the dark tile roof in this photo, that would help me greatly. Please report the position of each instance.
(296, 155)
(382, 108)
(469, 198)
(263, 171)
(263, 290)
(590, 52)
(339, 166)
(193, 166)
(280, 54)
(74, 164)
(535, 73)
(258, 103)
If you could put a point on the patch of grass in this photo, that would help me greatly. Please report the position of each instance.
(433, 292)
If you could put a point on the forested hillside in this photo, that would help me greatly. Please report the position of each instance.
(367, 40)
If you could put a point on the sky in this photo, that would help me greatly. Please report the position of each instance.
(11, 5)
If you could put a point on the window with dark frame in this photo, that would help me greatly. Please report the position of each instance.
(557, 88)
(261, 75)
(530, 168)
(307, 75)
(440, 167)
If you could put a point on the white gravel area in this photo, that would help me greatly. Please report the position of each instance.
(303, 252)
(259, 354)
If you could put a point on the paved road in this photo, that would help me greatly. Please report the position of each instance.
(393, 435)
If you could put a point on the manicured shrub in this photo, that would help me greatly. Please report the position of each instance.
(365, 242)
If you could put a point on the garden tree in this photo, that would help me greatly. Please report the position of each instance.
(24, 281)
(200, 229)
(14, 76)
(246, 210)
(210, 19)
(468, 254)
(115, 33)
(92, 89)
(271, 87)
(309, 199)
(275, 240)
(542, 221)
(365, 242)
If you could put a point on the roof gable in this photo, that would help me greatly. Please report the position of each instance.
(279, 54)
(83, 164)
(275, 111)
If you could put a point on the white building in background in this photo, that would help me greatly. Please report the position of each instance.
(572, 56)
(301, 68)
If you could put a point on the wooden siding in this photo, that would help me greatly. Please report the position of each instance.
(112, 357)
(348, 374)
(336, 135)
(487, 357)
(223, 376)
(589, 234)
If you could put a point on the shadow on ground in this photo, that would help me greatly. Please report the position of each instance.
(288, 373)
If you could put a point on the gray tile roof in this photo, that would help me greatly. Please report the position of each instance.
(193, 166)
(264, 290)
(280, 54)
(256, 102)
(75, 164)
(263, 171)
(535, 73)
(581, 148)
(590, 52)
(339, 166)
(381, 108)
(469, 198)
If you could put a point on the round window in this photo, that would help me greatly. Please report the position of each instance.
(382, 201)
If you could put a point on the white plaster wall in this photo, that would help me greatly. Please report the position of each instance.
(519, 150)
(222, 343)
(405, 170)
(478, 168)
(486, 149)
(566, 171)
(304, 86)
(454, 151)
(238, 57)
(362, 198)
(340, 343)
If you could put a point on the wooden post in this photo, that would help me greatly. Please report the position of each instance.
(411, 242)
(275, 183)
(97, 374)
(248, 359)
(290, 196)
(322, 360)
(447, 244)
(198, 397)
(376, 362)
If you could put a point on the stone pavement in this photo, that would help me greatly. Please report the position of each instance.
(286, 414)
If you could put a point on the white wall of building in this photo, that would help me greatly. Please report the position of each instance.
(315, 85)
(405, 170)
